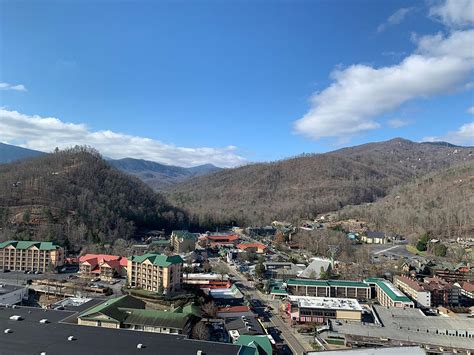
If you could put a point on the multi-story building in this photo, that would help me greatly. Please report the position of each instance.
(30, 256)
(414, 289)
(443, 293)
(388, 295)
(103, 266)
(330, 288)
(304, 309)
(220, 241)
(183, 241)
(155, 272)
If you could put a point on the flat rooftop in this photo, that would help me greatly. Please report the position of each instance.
(29, 336)
(6, 288)
(345, 304)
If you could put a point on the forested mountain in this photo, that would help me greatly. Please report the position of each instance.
(10, 153)
(304, 186)
(440, 204)
(75, 197)
(160, 176)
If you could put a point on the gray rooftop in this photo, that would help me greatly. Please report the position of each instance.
(29, 336)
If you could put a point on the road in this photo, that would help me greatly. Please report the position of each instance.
(247, 288)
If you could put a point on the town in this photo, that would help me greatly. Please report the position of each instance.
(241, 290)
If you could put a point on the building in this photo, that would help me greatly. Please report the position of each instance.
(12, 294)
(414, 289)
(155, 272)
(199, 279)
(374, 238)
(313, 270)
(220, 241)
(104, 266)
(305, 309)
(258, 344)
(467, 292)
(443, 293)
(30, 256)
(128, 312)
(183, 241)
(330, 288)
(453, 272)
(234, 312)
(258, 248)
(245, 325)
(32, 336)
(282, 269)
(225, 295)
(388, 295)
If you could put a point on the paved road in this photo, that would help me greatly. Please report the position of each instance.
(249, 290)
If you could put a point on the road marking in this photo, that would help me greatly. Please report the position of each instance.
(384, 250)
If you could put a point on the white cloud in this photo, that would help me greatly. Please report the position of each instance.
(7, 86)
(396, 18)
(471, 110)
(46, 133)
(454, 13)
(463, 136)
(360, 93)
(398, 123)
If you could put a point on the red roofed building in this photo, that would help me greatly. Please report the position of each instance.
(218, 241)
(103, 266)
(258, 248)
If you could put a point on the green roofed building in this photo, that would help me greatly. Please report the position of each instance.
(155, 272)
(389, 295)
(183, 241)
(129, 312)
(329, 288)
(258, 344)
(30, 256)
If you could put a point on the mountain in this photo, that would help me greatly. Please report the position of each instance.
(160, 176)
(440, 203)
(10, 153)
(304, 186)
(76, 198)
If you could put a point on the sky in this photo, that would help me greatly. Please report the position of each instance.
(232, 82)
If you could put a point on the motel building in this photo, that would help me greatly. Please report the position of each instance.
(305, 309)
(388, 295)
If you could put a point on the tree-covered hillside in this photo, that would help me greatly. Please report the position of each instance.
(75, 197)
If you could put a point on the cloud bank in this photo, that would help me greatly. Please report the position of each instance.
(7, 86)
(46, 133)
(464, 135)
(360, 93)
(396, 18)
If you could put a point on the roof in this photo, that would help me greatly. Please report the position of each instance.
(347, 304)
(260, 342)
(223, 237)
(278, 291)
(323, 283)
(314, 268)
(26, 244)
(184, 234)
(110, 308)
(394, 293)
(233, 309)
(161, 242)
(154, 318)
(251, 245)
(413, 284)
(114, 261)
(157, 259)
(52, 338)
(370, 234)
(467, 286)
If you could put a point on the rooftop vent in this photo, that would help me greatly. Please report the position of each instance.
(140, 346)
(44, 321)
(200, 352)
(71, 338)
(6, 331)
(15, 317)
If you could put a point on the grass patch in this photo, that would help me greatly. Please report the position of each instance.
(335, 341)
(412, 249)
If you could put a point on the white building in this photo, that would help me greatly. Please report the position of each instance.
(11, 294)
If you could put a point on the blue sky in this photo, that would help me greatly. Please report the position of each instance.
(190, 82)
